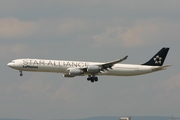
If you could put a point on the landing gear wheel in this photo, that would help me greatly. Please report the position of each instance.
(95, 79)
(92, 81)
(92, 78)
(21, 73)
(89, 78)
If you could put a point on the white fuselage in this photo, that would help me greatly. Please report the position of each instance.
(61, 66)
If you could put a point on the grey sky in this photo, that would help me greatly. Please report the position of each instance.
(94, 30)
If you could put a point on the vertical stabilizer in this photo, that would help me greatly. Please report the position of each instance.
(159, 58)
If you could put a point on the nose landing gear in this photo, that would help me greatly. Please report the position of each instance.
(21, 74)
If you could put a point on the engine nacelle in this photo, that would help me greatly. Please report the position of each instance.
(75, 72)
(93, 69)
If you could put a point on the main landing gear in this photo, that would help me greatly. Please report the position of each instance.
(92, 78)
(21, 73)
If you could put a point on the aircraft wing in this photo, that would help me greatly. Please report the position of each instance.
(111, 63)
(105, 66)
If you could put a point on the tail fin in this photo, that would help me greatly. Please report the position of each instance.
(158, 59)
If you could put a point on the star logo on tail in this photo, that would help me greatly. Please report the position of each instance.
(157, 59)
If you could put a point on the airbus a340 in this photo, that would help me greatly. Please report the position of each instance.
(91, 69)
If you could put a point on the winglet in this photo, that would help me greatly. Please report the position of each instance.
(117, 61)
(120, 60)
(124, 58)
(111, 63)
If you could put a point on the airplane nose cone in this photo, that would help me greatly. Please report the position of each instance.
(10, 64)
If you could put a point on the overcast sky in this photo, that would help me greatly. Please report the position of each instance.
(89, 30)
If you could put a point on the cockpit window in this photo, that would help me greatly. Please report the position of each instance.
(13, 61)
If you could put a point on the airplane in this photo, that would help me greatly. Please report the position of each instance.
(91, 69)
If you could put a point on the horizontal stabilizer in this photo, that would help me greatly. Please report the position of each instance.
(161, 68)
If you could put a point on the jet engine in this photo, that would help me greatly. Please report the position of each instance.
(93, 69)
(75, 71)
